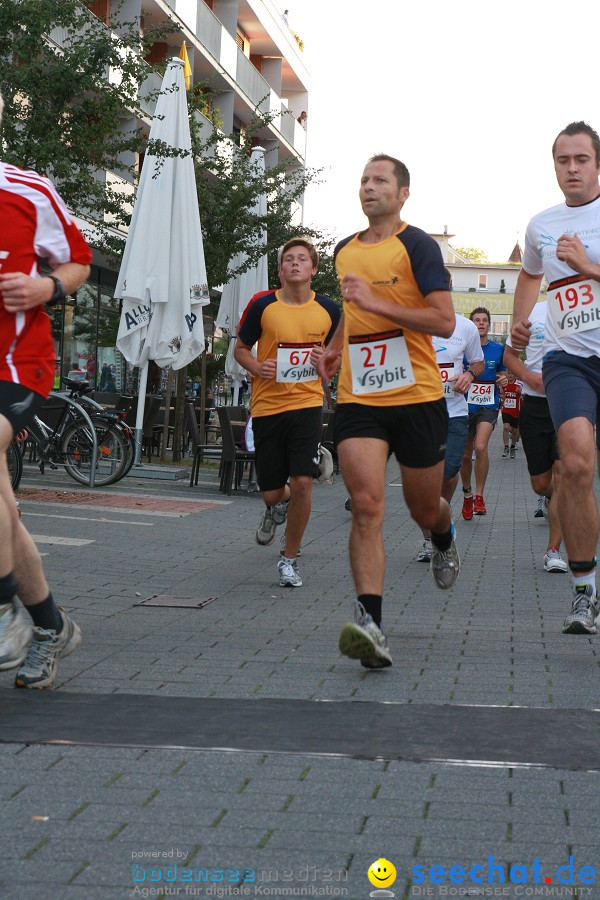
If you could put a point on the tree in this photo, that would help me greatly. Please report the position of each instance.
(472, 254)
(63, 117)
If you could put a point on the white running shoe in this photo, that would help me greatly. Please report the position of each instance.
(553, 561)
(40, 668)
(425, 551)
(363, 640)
(16, 630)
(288, 572)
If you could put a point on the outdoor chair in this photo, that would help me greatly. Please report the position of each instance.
(199, 451)
(233, 460)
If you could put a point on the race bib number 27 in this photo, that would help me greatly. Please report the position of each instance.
(379, 362)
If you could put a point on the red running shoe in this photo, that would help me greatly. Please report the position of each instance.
(479, 506)
(467, 510)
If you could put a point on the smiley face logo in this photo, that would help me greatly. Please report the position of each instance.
(381, 873)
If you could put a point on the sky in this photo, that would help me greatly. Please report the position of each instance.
(469, 95)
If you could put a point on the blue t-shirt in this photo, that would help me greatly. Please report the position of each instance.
(493, 355)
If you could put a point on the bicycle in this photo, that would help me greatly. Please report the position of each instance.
(94, 450)
(14, 460)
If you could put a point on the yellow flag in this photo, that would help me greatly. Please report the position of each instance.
(187, 69)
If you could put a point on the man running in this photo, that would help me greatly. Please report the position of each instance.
(562, 244)
(537, 430)
(484, 403)
(291, 326)
(390, 400)
(511, 410)
(463, 345)
(34, 223)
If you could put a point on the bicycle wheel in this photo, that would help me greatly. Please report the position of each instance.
(15, 465)
(112, 457)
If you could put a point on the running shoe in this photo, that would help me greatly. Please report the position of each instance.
(16, 630)
(364, 640)
(513, 451)
(584, 613)
(467, 508)
(272, 517)
(539, 512)
(553, 561)
(505, 452)
(288, 573)
(425, 551)
(47, 647)
(445, 565)
(348, 504)
(479, 506)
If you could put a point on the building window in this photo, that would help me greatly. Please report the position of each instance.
(482, 283)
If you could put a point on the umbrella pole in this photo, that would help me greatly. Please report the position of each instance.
(139, 419)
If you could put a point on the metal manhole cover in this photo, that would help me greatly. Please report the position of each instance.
(169, 600)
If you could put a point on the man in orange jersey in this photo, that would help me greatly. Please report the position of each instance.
(290, 326)
(390, 398)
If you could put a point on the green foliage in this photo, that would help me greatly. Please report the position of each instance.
(472, 254)
(63, 117)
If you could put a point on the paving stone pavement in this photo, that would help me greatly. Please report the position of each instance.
(82, 821)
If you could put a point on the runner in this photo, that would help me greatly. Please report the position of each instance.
(291, 327)
(390, 400)
(484, 403)
(539, 438)
(562, 244)
(34, 223)
(511, 410)
(463, 345)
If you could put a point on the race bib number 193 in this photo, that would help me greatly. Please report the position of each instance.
(379, 362)
(574, 305)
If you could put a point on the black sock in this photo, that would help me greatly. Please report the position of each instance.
(46, 615)
(372, 604)
(442, 541)
(8, 588)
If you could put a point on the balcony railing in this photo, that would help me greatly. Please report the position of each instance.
(252, 83)
(209, 30)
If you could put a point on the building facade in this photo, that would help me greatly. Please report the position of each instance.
(245, 53)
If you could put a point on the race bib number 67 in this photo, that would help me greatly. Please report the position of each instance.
(293, 363)
(574, 305)
(379, 362)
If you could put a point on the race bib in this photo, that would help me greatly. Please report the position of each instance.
(510, 403)
(447, 372)
(379, 362)
(293, 363)
(574, 305)
(481, 393)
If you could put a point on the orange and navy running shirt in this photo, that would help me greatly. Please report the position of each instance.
(402, 269)
(34, 223)
(278, 327)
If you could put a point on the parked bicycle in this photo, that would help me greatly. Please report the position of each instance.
(15, 464)
(78, 434)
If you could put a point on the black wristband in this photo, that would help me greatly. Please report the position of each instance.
(59, 291)
(471, 372)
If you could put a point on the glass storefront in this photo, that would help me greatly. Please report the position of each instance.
(85, 333)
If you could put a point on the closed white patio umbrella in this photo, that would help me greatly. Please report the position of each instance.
(162, 279)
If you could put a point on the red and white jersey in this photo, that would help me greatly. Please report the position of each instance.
(512, 398)
(34, 224)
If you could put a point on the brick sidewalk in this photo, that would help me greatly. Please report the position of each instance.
(79, 813)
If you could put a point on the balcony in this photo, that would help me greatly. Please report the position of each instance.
(251, 82)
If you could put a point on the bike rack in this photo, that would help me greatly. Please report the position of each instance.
(81, 411)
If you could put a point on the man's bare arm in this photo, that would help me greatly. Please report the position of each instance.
(21, 292)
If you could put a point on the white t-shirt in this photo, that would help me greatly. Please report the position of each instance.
(534, 353)
(539, 257)
(449, 353)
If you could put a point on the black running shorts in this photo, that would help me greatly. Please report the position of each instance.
(415, 433)
(19, 404)
(538, 435)
(287, 444)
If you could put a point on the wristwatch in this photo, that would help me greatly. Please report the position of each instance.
(59, 291)
(471, 372)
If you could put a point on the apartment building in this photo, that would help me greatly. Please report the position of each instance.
(482, 284)
(248, 58)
